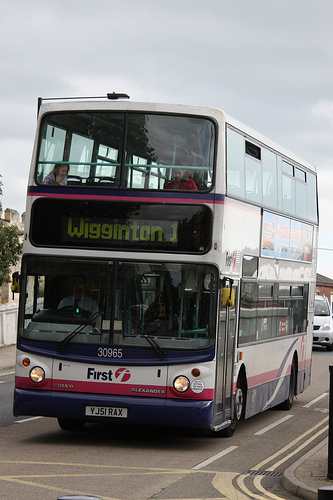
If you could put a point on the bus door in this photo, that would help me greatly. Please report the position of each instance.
(225, 354)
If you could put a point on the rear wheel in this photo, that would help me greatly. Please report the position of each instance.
(71, 424)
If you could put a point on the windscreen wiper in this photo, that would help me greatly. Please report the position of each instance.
(78, 330)
(144, 332)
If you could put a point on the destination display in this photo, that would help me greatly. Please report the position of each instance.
(121, 225)
(91, 228)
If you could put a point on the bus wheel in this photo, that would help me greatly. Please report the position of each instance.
(287, 404)
(71, 424)
(240, 399)
(239, 403)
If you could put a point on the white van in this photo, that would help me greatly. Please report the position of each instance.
(323, 323)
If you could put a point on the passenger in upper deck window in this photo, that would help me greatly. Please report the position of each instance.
(58, 176)
(178, 181)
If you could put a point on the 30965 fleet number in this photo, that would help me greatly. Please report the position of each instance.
(109, 352)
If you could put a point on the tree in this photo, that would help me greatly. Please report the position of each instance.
(10, 247)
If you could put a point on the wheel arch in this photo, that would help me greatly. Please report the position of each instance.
(294, 364)
(242, 375)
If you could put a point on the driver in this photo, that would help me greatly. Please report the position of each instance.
(79, 299)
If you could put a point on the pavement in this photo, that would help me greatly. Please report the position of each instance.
(309, 473)
(7, 358)
(302, 479)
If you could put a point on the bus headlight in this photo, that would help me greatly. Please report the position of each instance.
(181, 383)
(37, 374)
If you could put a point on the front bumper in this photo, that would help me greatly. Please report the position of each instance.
(322, 339)
(141, 410)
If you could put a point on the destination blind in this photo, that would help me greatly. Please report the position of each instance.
(121, 225)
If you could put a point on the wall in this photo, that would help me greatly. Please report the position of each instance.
(8, 323)
(325, 290)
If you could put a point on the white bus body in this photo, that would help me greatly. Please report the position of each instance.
(164, 346)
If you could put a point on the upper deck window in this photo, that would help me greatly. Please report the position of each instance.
(126, 150)
(262, 176)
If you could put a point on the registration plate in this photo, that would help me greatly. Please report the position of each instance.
(105, 411)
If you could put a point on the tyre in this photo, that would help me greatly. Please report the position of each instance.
(71, 424)
(239, 410)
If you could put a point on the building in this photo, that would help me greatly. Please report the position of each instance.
(11, 217)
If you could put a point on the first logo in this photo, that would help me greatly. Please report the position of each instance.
(123, 374)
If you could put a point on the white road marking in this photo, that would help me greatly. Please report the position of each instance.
(291, 444)
(7, 373)
(215, 457)
(257, 480)
(26, 420)
(269, 427)
(314, 401)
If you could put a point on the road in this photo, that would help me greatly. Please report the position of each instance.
(39, 461)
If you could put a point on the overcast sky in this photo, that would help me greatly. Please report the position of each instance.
(268, 63)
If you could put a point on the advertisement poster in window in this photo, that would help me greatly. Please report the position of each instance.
(286, 238)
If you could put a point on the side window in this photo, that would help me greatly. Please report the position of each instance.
(299, 308)
(248, 313)
(51, 149)
(269, 178)
(235, 164)
(80, 157)
(253, 180)
(265, 312)
(271, 311)
(300, 192)
(288, 188)
(311, 185)
(283, 311)
(262, 176)
(250, 266)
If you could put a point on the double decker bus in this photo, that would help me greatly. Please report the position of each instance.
(169, 277)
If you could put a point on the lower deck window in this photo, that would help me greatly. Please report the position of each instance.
(271, 311)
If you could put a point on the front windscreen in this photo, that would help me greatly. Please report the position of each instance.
(321, 307)
(126, 150)
(121, 225)
(118, 303)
